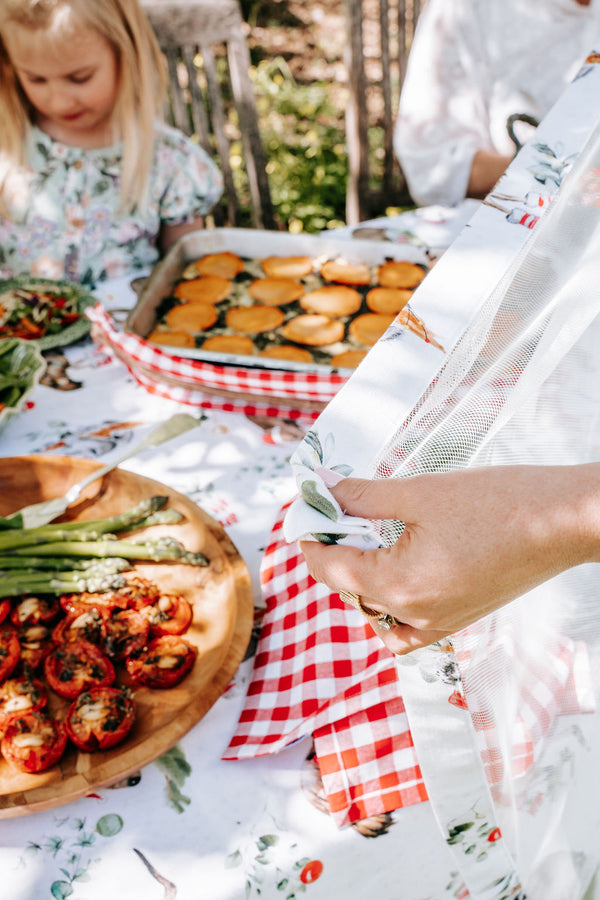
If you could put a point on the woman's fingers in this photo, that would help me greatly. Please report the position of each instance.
(373, 574)
(344, 570)
(374, 499)
(404, 638)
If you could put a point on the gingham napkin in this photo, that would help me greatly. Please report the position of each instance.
(319, 669)
(250, 390)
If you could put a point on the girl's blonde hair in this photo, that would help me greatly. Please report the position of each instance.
(142, 81)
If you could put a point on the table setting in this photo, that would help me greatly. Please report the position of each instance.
(288, 762)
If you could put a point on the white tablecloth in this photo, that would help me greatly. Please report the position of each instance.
(193, 826)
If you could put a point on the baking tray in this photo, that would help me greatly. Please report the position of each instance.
(254, 245)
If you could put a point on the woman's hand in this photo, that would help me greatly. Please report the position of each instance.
(474, 539)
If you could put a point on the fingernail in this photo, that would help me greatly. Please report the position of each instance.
(328, 476)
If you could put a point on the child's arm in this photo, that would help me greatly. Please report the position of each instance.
(170, 233)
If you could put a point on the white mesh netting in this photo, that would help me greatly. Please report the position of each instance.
(523, 386)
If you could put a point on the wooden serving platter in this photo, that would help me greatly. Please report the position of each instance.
(222, 601)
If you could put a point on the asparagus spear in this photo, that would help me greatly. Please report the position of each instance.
(47, 564)
(159, 550)
(127, 519)
(59, 583)
(149, 512)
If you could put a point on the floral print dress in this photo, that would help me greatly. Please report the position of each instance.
(65, 219)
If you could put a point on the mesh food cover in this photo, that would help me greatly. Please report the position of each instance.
(512, 762)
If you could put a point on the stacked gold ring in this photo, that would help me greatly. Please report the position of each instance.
(384, 620)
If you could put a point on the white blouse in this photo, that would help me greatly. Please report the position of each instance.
(473, 63)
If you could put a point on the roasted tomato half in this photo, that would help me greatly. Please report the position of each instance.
(100, 718)
(33, 742)
(36, 643)
(171, 614)
(87, 626)
(137, 593)
(126, 632)
(35, 611)
(76, 666)
(19, 696)
(10, 652)
(5, 607)
(163, 662)
(103, 602)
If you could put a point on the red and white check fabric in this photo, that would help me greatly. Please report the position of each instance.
(319, 669)
(554, 685)
(198, 383)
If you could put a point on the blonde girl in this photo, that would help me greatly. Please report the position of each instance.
(92, 183)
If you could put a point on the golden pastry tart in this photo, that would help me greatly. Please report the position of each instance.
(289, 352)
(314, 330)
(254, 319)
(192, 317)
(399, 274)
(387, 300)
(229, 343)
(368, 328)
(172, 338)
(287, 266)
(333, 300)
(348, 359)
(205, 289)
(225, 264)
(346, 273)
(275, 290)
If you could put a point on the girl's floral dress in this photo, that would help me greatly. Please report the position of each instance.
(65, 220)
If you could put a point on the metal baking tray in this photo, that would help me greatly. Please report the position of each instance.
(254, 245)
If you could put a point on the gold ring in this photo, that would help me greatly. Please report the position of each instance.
(350, 598)
(384, 620)
(387, 622)
(367, 611)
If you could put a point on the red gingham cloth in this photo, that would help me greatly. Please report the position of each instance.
(272, 392)
(553, 685)
(319, 669)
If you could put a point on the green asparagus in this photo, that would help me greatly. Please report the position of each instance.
(158, 550)
(59, 583)
(86, 556)
(134, 517)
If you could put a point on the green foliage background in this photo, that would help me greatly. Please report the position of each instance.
(304, 138)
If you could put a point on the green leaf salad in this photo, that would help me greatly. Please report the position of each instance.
(21, 367)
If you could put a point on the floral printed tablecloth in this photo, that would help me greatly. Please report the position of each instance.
(190, 825)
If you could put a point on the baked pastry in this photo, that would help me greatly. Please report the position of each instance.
(226, 264)
(205, 289)
(343, 272)
(314, 330)
(287, 351)
(348, 359)
(254, 319)
(334, 300)
(275, 290)
(368, 328)
(172, 338)
(387, 300)
(287, 266)
(399, 274)
(192, 317)
(229, 343)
